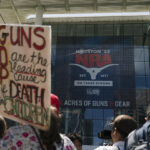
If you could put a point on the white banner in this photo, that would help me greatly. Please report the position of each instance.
(92, 83)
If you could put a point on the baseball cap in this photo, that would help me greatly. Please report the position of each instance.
(55, 102)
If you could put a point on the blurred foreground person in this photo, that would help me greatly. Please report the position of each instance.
(26, 137)
(76, 139)
(121, 127)
(140, 139)
(3, 127)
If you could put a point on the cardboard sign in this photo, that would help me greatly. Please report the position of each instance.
(25, 74)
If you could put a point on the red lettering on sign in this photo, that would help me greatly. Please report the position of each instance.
(4, 40)
(18, 36)
(3, 64)
(17, 40)
(106, 59)
(24, 35)
(36, 32)
(82, 59)
(93, 60)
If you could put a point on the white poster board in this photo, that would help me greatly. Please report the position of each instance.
(25, 74)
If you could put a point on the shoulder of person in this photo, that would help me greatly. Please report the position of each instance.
(67, 142)
(107, 148)
(21, 136)
(65, 138)
(16, 130)
(20, 127)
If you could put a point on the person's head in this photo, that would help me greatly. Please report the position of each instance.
(3, 127)
(122, 126)
(55, 102)
(76, 139)
(147, 113)
(52, 134)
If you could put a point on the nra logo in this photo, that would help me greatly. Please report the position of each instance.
(93, 63)
(93, 60)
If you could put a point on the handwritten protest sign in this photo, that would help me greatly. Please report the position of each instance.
(25, 74)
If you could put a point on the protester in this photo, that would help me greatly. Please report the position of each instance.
(3, 127)
(121, 127)
(25, 137)
(143, 131)
(140, 137)
(76, 139)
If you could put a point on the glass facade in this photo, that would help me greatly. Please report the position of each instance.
(89, 121)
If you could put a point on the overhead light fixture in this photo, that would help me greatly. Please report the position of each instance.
(32, 16)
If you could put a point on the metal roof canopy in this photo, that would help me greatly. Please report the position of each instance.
(16, 11)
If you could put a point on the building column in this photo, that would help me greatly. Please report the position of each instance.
(39, 15)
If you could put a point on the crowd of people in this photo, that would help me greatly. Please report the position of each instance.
(27, 137)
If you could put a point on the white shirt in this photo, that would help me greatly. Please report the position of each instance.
(116, 146)
(24, 138)
(119, 144)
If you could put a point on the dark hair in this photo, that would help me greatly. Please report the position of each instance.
(75, 136)
(52, 135)
(124, 124)
(3, 127)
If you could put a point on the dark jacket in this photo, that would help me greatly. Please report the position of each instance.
(142, 134)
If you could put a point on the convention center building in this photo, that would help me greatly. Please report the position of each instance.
(100, 59)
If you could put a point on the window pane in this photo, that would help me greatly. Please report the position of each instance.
(138, 53)
(148, 82)
(147, 69)
(97, 141)
(97, 114)
(87, 127)
(146, 50)
(108, 114)
(88, 114)
(139, 68)
(97, 126)
(140, 82)
(93, 114)
(138, 29)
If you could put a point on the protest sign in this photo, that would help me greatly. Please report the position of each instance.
(25, 74)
